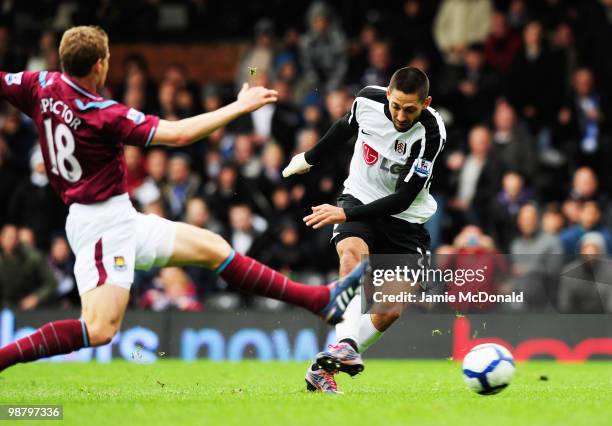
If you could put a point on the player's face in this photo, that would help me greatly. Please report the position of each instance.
(405, 108)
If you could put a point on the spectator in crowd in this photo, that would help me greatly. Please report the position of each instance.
(323, 49)
(166, 100)
(358, 54)
(460, 23)
(585, 282)
(137, 89)
(286, 118)
(287, 253)
(172, 290)
(512, 143)
(553, 220)
(517, 14)
(476, 87)
(258, 57)
(61, 262)
(182, 184)
(35, 206)
(531, 89)
(566, 56)
(585, 187)
(502, 44)
(8, 179)
(380, 68)
(589, 221)
(10, 58)
(581, 123)
(198, 214)
(155, 168)
(242, 233)
(249, 165)
(135, 168)
(262, 118)
(504, 209)
(20, 137)
(571, 211)
(26, 281)
(475, 177)
(536, 260)
(229, 188)
(272, 160)
(46, 58)
(416, 15)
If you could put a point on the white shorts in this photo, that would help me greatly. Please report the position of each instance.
(110, 239)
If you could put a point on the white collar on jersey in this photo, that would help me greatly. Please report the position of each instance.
(79, 88)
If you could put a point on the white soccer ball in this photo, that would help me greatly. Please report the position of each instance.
(488, 368)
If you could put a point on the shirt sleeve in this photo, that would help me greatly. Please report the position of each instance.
(20, 89)
(130, 126)
(339, 133)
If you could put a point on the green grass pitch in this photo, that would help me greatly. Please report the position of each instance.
(404, 392)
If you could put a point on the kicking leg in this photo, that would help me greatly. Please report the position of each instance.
(196, 246)
(344, 355)
(103, 309)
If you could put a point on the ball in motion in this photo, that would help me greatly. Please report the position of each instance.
(488, 368)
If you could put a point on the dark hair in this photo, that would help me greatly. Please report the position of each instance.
(410, 80)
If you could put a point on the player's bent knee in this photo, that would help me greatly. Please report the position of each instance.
(101, 333)
(350, 256)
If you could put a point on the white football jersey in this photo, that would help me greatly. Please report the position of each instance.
(384, 158)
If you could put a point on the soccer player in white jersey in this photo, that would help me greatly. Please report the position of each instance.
(384, 204)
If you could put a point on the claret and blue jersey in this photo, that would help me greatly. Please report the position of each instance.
(81, 134)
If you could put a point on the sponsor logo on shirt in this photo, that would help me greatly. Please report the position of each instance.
(370, 156)
(422, 167)
(120, 264)
(13, 79)
(135, 115)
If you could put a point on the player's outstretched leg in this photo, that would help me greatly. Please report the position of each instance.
(103, 309)
(196, 246)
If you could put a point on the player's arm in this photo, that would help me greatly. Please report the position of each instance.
(20, 89)
(339, 132)
(192, 129)
(411, 181)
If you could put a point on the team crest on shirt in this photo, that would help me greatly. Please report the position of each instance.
(370, 156)
(400, 146)
(13, 79)
(120, 264)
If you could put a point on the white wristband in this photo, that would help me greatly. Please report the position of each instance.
(298, 164)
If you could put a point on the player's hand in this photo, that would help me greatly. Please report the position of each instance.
(253, 98)
(325, 214)
(297, 165)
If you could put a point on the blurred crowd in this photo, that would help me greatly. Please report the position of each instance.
(524, 89)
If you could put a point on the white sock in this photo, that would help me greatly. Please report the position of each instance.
(367, 334)
(349, 327)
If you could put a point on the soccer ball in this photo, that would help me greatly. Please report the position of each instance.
(488, 368)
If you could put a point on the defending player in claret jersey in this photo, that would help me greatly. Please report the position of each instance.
(384, 204)
(82, 137)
